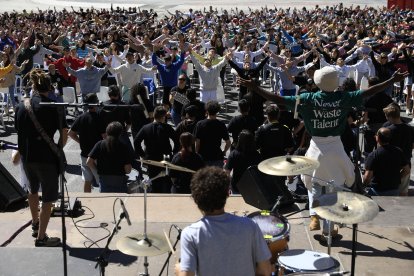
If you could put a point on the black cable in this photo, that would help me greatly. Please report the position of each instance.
(75, 223)
(15, 234)
(113, 209)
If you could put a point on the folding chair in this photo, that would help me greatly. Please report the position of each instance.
(4, 106)
(69, 96)
(103, 94)
(18, 88)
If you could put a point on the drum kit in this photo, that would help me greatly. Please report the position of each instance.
(146, 244)
(338, 207)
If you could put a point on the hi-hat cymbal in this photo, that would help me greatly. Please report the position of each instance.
(166, 164)
(345, 207)
(288, 165)
(136, 245)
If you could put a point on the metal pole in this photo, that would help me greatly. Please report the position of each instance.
(354, 241)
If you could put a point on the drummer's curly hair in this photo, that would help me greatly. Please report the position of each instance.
(210, 188)
(40, 81)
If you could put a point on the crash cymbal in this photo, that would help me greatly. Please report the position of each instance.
(135, 245)
(345, 207)
(288, 165)
(166, 164)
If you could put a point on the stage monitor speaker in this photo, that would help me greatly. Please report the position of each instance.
(10, 190)
(262, 190)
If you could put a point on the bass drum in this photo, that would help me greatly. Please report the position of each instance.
(275, 229)
(304, 262)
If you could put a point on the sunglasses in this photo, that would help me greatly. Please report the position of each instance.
(181, 79)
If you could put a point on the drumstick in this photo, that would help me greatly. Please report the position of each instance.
(169, 244)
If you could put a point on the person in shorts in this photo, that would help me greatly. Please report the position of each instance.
(86, 131)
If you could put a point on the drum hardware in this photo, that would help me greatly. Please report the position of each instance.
(304, 262)
(144, 245)
(288, 165)
(165, 164)
(275, 229)
(348, 208)
(330, 183)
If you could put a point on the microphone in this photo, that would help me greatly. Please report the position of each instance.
(177, 228)
(125, 212)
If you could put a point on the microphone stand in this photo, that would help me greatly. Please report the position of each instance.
(170, 253)
(62, 189)
(101, 261)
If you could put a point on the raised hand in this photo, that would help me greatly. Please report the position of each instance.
(398, 76)
(249, 84)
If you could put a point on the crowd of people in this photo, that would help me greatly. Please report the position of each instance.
(350, 66)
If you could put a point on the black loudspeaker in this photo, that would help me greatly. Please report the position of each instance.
(262, 190)
(10, 190)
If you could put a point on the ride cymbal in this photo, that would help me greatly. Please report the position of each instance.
(136, 245)
(345, 207)
(288, 165)
(166, 164)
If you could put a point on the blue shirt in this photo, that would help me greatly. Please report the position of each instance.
(169, 74)
(89, 79)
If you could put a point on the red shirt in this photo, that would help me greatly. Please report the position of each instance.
(73, 63)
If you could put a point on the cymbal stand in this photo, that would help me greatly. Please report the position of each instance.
(144, 185)
(329, 183)
(354, 241)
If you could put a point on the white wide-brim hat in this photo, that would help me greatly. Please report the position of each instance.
(327, 79)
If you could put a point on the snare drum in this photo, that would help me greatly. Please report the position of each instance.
(305, 261)
(275, 229)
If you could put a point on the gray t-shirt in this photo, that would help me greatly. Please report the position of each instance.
(223, 245)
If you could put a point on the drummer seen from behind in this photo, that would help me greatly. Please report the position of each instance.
(325, 116)
(220, 243)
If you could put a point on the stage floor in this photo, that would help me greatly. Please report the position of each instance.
(385, 244)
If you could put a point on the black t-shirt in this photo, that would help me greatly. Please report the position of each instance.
(182, 180)
(201, 109)
(239, 162)
(111, 162)
(138, 119)
(385, 163)
(211, 132)
(256, 106)
(108, 115)
(87, 127)
(375, 105)
(179, 99)
(402, 136)
(273, 139)
(32, 146)
(185, 126)
(156, 137)
(240, 122)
